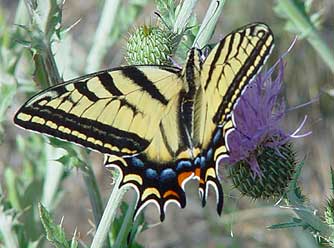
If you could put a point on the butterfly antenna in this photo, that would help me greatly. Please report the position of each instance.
(162, 20)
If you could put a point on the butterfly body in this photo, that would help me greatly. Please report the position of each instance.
(160, 126)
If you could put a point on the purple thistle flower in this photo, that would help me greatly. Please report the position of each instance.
(257, 120)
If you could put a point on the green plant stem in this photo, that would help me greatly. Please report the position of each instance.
(21, 15)
(243, 216)
(7, 229)
(183, 16)
(53, 176)
(306, 27)
(47, 74)
(126, 226)
(51, 66)
(44, 58)
(92, 188)
(109, 214)
(100, 42)
(209, 23)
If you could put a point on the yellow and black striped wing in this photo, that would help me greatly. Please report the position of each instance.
(228, 69)
(225, 73)
(115, 112)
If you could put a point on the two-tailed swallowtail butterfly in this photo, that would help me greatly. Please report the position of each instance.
(159, 125)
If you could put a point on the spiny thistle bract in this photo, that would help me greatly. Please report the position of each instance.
(261, 154)
(329, 212)
(277, 168)
(150, 45)
(329, 219)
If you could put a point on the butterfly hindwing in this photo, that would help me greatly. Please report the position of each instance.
(158, 183)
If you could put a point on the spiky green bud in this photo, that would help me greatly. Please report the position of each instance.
(150, 45)
(277, 171)
(329, 212)
(329, 219)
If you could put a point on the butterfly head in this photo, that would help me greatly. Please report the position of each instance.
(195, 56)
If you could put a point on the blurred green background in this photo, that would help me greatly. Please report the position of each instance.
(243, 223)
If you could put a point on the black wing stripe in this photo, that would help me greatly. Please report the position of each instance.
(250, 61)
(139, 78)
(60, 90)
(217, 56)
(108, 83)
(133, 108)
(213, 64)
(83, 90)
(241, 39)
(97, 130)
(230, 46)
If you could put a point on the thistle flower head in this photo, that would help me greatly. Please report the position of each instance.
(261, 153)
(257, 119)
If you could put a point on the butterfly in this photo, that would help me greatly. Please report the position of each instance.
(160, 126)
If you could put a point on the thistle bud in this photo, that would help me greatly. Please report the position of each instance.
(277, 168)
(150, 45)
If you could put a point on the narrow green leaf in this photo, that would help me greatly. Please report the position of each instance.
(293, 184)
(183, 17)
(294, 223)
(297, 13)
(7, 231)
(13, 195)
(7, 92)
(209, 23)
(54, 233)
(74, 241)
(332, 180)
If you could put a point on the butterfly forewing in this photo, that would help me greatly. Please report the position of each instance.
(233, 63)
(225, 73)
(228, 69)
(107, 111)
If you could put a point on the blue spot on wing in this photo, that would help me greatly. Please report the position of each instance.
(203, 162)
(217, 136)
(137, 162)
(167, 174)
(183, 165)
(151, 174)
(197, 160)
(209, 154)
